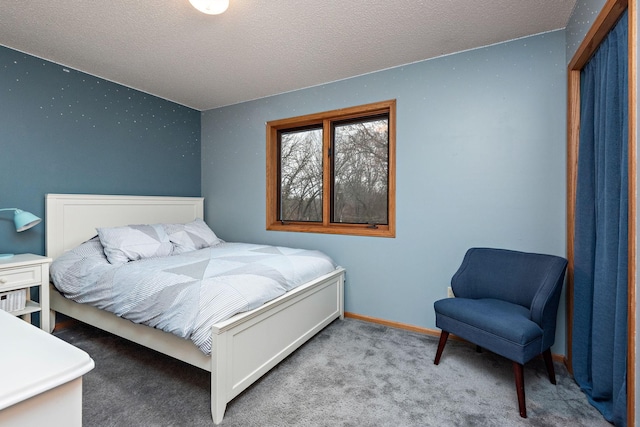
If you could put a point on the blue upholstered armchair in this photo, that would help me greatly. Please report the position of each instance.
(505, 302)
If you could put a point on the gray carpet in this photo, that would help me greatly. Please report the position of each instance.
(353, 373)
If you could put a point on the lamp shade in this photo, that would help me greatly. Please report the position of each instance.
(210, 7)
(24, 220)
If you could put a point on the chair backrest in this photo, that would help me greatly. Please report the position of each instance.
(528, 279)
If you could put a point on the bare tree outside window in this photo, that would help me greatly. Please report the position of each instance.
(301, 175)
(361, 165)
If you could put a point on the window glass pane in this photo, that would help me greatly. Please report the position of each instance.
(361, 167)
(301, 175)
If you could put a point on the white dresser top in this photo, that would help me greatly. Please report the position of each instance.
(33, 361)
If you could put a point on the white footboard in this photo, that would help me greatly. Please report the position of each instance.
(250, 345)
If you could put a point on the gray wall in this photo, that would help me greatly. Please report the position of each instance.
(63, 131)
(480, 162)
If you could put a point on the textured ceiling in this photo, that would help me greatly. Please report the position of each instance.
(259, 47)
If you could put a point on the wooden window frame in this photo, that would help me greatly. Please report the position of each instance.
(326, 119)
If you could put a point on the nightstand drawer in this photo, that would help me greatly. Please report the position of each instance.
(16, 277)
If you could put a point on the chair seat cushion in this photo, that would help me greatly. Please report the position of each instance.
(496, 325)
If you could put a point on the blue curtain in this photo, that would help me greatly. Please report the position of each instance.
(600, 258)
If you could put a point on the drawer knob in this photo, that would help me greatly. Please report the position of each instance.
(3, 280)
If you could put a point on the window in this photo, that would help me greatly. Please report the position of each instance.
(333, 172)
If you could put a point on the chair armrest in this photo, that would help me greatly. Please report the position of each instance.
(544, 306)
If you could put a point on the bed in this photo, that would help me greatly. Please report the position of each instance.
(244, 347)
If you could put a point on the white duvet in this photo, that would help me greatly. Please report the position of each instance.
(185, 294)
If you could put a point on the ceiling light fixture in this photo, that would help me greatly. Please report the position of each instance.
(210, 7)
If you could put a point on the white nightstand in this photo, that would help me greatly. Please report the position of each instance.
(26, 271)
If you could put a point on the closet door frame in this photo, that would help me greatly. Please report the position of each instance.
(606, 20)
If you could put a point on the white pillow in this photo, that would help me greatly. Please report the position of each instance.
(134, 242)
(191, 236)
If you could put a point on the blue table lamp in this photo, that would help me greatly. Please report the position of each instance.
(23, 221)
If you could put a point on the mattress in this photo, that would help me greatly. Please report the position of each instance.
(185, 294)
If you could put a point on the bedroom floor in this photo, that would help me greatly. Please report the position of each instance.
(352, 373)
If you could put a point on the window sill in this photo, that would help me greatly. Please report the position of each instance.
(344, 229)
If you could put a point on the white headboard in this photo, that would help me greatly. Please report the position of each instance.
(71, 219)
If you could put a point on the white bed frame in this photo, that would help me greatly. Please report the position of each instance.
(244, 347)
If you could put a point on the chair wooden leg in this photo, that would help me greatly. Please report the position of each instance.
(548, 360)
(443, 340)
(518, 371)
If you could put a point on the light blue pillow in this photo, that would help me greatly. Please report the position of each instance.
(191, 236)
(134, 242)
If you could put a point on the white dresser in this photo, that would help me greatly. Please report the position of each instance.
(40, 376)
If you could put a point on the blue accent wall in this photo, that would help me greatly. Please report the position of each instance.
(63, 131)
(481, 143)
